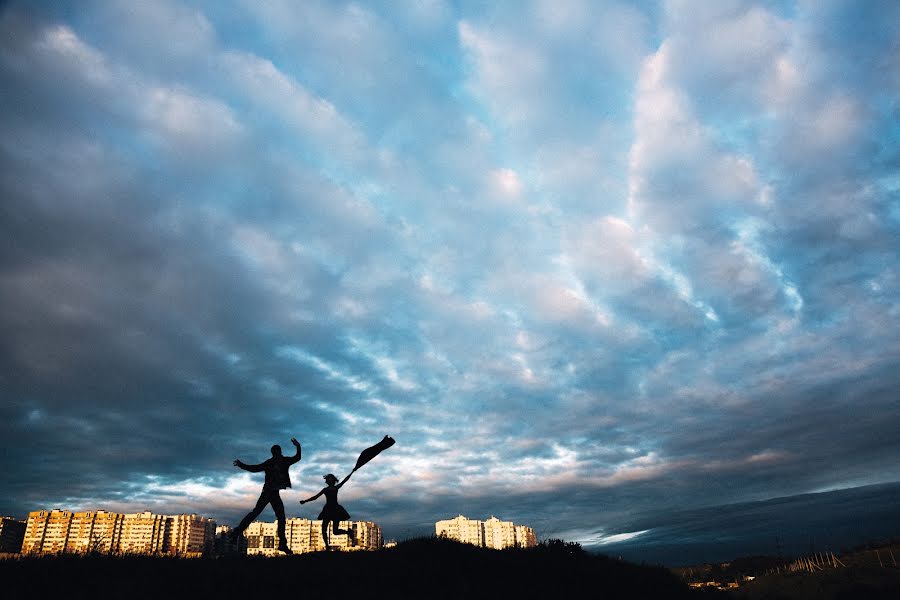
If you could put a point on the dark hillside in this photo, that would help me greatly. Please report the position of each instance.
(869, 573)
(852, 583)
(426, 568)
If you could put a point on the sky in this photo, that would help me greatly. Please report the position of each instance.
(592, 264)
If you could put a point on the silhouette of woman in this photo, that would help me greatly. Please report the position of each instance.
(333, 512)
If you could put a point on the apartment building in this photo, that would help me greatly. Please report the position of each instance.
(492, 533)
(142, 533)
(93, 531)
(12, 534)
(57, 531)
(368, 536)
(189, 534)
(47, 532)
(461, 529)
(499, 534)
(304, 535)
(525, 537)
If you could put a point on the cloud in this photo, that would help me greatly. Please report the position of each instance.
(310, 117)
(587, 266)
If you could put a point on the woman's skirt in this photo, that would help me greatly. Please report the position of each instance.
(334, 512)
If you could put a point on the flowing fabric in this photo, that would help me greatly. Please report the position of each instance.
(373, 451)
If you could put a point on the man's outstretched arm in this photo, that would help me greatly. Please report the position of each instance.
(246, 467)
(295, 457)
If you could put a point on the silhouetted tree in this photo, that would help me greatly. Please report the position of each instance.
(558, 546)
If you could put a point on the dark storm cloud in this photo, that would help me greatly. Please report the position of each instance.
(787, 527)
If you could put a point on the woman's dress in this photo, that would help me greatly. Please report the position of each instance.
(332, 511)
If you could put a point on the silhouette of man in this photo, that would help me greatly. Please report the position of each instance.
(277, 478)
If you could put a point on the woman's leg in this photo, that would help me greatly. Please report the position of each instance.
(325, 525)
(348, 532)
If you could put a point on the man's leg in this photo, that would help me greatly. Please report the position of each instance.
(278, 507)
(251, 516)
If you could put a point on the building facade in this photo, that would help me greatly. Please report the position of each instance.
(93, 531)
(47, 532)
(189, 535)
(525, 537)
(304, 535)
(461, 529)
(142, 533)
(58, 531)
(492, 533)
(12, 534)
(499, 534)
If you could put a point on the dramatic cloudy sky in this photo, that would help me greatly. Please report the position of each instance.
(585, 261)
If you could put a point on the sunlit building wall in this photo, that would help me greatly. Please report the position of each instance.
(93, 531)
(493, 533)
(461, 529)
(368, 536)
(304, 535)
(189, 534)
(56, 531)
(525, 537)
(46, 531)
(12, 534)
(142, 533)
(499, 534)
(80, 535)
(262, 538)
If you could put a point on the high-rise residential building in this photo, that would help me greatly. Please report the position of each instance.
(46, 531)
(56, 531)
(525, 537)
(189, 534)
(493, 533)
(143, 533)
(304, 535)
(93, 531)
(12, 534)
(368, 536)
(262, 538)
(461, 529)
(499, 534)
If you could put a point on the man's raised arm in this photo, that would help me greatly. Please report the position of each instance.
(295, 457)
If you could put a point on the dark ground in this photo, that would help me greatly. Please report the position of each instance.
(853, 583)
(426, 568)
(869, 571)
